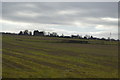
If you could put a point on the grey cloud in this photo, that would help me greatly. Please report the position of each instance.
(48, 11)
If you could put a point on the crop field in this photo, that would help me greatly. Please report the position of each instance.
(52, 57)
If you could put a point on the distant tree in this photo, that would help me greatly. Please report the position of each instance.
(20, 33)
(91, 37)
(74, 36)
(118, 39)
(113, 39)
(102, 39)
(30, 33)
(26, 32)
(54, 34)
(85, 37)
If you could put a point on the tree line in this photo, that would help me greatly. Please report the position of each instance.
(54, 34)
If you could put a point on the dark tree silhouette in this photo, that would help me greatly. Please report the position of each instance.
(26, 32)
(103, 39)
(91, 37)
(85, 37)
(20, 33)
(54, 34)
(30, 33)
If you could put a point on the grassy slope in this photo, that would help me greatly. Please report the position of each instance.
(46, 57)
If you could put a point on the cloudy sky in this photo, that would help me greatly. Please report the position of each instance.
(83, 18)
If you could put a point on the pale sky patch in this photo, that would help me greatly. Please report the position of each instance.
(110, 19)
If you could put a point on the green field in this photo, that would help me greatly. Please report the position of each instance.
(51, 57)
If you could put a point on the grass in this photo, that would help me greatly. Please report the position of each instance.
(50, 57)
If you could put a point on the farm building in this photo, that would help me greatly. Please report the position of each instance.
(37, 33)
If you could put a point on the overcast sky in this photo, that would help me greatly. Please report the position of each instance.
(91, 18)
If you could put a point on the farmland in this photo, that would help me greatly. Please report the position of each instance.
(51, 57)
